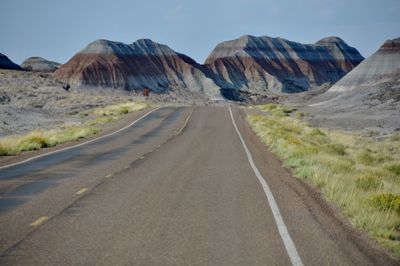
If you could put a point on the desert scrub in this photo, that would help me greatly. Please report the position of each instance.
(102, 115)
(277, 109)
(38, 139)
(368, 181)
(394, 168)
(119, 109)
(358, 174)
(386, 202)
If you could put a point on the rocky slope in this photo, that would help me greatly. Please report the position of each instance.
(6, 63)
(39, 64)
(376, 78)
(383, 66)
(142, 64)
(368, 97)
(265, 64)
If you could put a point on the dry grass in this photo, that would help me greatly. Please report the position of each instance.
(113, 112)
(38, 139)
(360, 175)
(120, 109)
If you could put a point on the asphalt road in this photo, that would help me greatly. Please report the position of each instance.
(167, 192)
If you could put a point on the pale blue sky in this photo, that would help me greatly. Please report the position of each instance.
(57, 30)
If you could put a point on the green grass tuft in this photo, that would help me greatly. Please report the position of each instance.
(335, 149)
(386, 202)
(394, 168)
(368, 181)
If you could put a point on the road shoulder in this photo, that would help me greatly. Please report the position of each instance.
(105, 129)
(326, 216)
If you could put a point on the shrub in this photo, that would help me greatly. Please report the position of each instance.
(396, 137)
(3, 150)
(268, 107)
(32, 142)
(386, 202)
(287, 110)
(335, 149)
(100, 120)
(317, 132)
(299, 115)
(368, 182)
(123, 110)
(394, 168)
(366, 157)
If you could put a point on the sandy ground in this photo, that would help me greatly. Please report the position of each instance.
(36, 100)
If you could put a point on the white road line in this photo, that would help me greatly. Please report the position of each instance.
(81, 144)
(283, 231)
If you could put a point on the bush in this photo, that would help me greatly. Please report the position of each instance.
(32, 143)
(3, 150)
(124, 110)
(365, 157)
(317, 132)
(396, 137)
(394, 168)
(299, 115)
(368, 182)
(335, 149)
(268, 107)
(386, 202)
(287, 110)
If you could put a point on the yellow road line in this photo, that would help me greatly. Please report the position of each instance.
(83, 190)
(40, 221)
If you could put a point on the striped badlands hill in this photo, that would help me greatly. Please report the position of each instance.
(262, 64)
(382, 66)
(376, 78)
(141, 64)
(6, 63)
(39, 64)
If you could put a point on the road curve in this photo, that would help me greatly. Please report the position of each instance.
(194, 200)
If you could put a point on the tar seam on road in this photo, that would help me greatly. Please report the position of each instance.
(81, 144)
(40, 221)
(81, 191)
(185, 123)
(283, 231)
